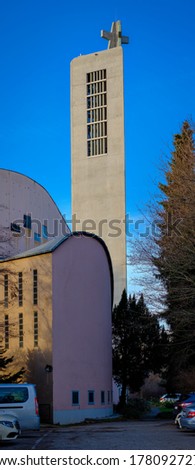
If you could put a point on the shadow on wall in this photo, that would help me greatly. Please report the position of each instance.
(39, 372)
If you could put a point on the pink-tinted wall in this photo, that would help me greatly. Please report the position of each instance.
(82, 351)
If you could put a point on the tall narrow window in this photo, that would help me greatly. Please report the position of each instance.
(21, 331)
(96, 90)
(35, 287)
(20, 290)
(91, 397)
(75, 397)
(102, 397)
(36, 329)
(6, 290)
(6, 327)
(27, 221)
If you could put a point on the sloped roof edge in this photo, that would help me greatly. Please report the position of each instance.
(55, 242)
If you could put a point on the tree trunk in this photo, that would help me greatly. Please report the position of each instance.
(122, 400)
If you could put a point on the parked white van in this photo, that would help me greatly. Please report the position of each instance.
(20, 400)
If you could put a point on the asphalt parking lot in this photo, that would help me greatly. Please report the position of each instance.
(124, 435)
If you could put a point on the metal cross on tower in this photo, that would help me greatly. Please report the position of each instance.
(115, 37)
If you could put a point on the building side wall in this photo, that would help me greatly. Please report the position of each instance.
(98, 182)
(33, 357)
(82, 348)
(19, 196)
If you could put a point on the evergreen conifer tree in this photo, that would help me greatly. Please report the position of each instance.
(5, 375)
(176, 258)
(136, 344)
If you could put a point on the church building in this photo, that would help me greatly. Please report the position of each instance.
(56, 286)
(55, 304)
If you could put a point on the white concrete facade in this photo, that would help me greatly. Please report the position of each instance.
(98, 179)
(29, 216)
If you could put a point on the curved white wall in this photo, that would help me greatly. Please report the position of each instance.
(19, 196)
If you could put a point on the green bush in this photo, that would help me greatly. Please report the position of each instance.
(169, 405)
(135, 408)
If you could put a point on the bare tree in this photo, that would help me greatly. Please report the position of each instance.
(169, 251)
(9, 371)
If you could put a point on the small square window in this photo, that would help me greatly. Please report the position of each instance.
(15, 228)
(90, 397)
(75, 397)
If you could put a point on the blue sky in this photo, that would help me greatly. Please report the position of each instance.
(38, 40)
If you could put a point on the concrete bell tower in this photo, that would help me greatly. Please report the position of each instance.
(97, 147)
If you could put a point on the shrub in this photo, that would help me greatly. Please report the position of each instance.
(168, 405)
(135, 408)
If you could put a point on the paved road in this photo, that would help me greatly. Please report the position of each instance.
(131, 435)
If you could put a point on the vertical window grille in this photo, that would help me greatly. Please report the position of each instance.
(20, 290)
(96, 88)
(35, 287)
(6, 326)
(6, 290)
(21, 331)
(36, 329)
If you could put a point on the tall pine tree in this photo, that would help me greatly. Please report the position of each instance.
(137, 345)
(176, 258)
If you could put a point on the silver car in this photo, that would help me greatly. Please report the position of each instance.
(9, 427)
(186, 419)
(20, 400)
(170, 397)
